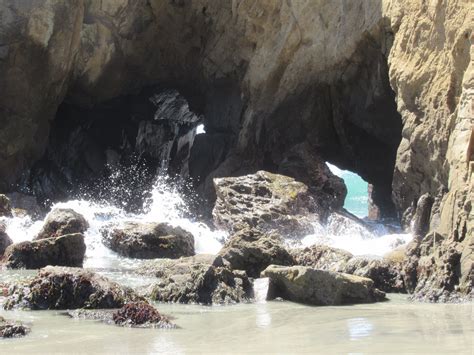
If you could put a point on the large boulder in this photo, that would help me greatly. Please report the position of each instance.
(68, 288)
(253, 251)
(67, 250)
(5, 240)
(9, 329)
(196, 280)
(317, 287)
(263, 201)
(61, 221)
(5, 206)
(149, 240)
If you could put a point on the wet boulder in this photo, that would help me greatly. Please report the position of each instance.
(140, 314)
(386, 275)
(265, 202)
(318, 287)
(66, 250)
(384, 272)
(5, 206)
(10, 329)
(68, 288)
(253, 251)
(149, 240)
(5, 240)
(195, 280)
(61, 221)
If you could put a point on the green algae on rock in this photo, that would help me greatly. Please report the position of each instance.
(68, 288)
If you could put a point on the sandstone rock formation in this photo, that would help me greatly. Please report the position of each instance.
(318, 287)
(383, 88)
(66, 250)
(61, 221)
(253, 251)
(264, 202)
(149, 240)
(386, 273)
(68, 288)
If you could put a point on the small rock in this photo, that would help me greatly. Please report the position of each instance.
(61, 221)
(317, 287)
(149, 240)
(10, 329)
(68, 288)
(140, 314)
(67, 250)
(133, 314)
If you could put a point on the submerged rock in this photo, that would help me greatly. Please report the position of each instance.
(140, 314)
(61, 221)
(265, 202)
(9, 329)
(253, 251)
(133, 314)
(317, 287)
(149, 240)
(66, 250)
(5, 240)
(196, 280)
(68, 288)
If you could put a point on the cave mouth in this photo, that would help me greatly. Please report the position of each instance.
(115, 150)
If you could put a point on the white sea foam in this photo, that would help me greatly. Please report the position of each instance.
(165, 205)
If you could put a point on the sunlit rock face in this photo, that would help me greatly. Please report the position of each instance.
(382, 88)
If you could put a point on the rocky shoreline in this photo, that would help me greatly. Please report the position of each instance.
(258, 211)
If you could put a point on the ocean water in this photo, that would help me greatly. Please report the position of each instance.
(357, 197)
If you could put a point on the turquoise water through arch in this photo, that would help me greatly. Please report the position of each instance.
(357, 196)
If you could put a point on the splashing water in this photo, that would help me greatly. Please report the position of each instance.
(344, 233)
(164, 205)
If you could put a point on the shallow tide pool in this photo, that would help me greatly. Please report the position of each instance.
(274, 327)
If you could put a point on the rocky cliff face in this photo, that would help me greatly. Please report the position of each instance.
(383, 88)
